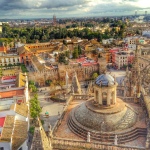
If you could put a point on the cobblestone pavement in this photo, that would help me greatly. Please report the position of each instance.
(53, 108)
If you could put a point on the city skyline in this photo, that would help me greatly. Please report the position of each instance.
(13, 9)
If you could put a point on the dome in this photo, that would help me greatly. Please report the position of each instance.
(105, 80)
(92, 120)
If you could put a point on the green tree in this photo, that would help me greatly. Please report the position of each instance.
(48, 82)
(75, 53)
(61, 58)
(32, 86)
(1, 71)
(79, 50)
(64, 42)
(67, 54)
(35, 108)
(95, 75)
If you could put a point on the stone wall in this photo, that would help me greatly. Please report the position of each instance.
(83, 73)
(68, 144)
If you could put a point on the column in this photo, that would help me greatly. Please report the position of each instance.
(100, 97)
(114, 95)
(95, 95)
(108, 97)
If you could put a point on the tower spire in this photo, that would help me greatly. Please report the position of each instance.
(75, 84)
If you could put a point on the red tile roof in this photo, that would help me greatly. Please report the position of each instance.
(2, 120)
(11, 93)
(8, 77)
(89, 64)
(2, 48)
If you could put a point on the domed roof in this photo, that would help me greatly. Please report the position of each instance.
(105, 80)
(92, 120)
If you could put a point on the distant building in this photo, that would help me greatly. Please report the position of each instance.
(146, 33)
(9, 59)
(121, 58)
(54, 20)
(14, 119)
(145, 13)
(136, 13)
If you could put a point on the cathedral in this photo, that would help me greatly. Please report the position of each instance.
(132, 81)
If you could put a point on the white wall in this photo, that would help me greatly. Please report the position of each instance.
(20, 117)
(6, 145)
(24, 146)
(7, 112)
(18, 44)
(1, 128)
(5, 104)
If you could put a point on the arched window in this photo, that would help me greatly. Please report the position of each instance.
(96, 95)
(104, 98)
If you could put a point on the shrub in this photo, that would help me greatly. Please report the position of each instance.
(31, 130)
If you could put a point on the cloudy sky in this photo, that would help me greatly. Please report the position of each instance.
(70, 8)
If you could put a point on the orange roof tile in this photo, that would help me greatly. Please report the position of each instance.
(11, 93)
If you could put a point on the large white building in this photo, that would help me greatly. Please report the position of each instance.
(121, 59)
(9, 59)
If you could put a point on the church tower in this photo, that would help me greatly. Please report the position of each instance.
(102, 65)
(54, 20)
(136, 76)
(76, 88)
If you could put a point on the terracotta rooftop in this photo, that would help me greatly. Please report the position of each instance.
(38, 65)
(2, 48)
(7, 128)
(15, 130)
(2, 120)
(21, 109)
(11, 93)
(21, 80)
(19, 134)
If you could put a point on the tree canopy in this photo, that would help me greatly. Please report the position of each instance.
(44, 34)
(35, 108)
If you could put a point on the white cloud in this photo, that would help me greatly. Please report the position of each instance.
(66, 8)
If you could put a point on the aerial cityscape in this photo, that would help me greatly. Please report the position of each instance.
(75, 75)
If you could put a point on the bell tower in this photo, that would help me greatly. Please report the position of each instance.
(105, 90)
(102, 65)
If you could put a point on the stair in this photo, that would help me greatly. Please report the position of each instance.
(123, 137)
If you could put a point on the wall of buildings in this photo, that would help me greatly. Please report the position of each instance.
(6, 60)
(5, 103)
(83, 73)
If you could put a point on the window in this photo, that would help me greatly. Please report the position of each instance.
(104, 97)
